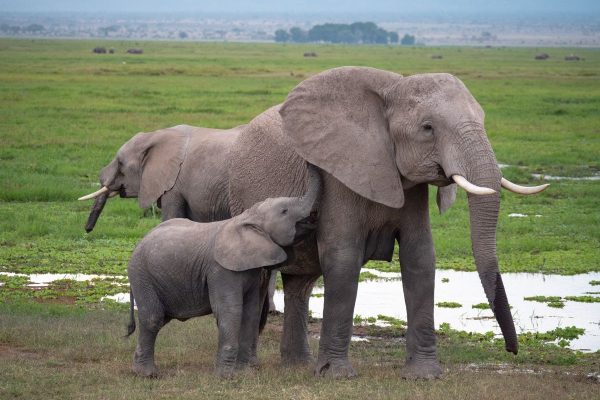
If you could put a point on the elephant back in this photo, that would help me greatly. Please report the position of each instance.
(263, 164)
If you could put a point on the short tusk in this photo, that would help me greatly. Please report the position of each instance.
(113, 194)
(513, 187)
(95, 194)
(469, 187)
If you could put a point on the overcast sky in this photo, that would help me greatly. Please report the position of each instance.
(397, 7)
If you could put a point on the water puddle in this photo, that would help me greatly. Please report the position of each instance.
(385, 297)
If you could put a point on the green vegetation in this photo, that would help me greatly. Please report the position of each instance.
(594, 283)
(584, 299)
(448, 304)
(76, 352)
(543, 299)
(357, 32)
(65, 111)
(481, 306)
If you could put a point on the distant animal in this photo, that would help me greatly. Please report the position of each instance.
(111, 51)
(572, 57)
(542, 56)
(135, 51)
(310, 54)
(99, 50)
(437, 57)
(184, 269)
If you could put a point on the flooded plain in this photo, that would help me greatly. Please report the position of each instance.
(386, 297)
(462, 290)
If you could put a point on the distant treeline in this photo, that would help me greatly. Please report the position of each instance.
(358, 32)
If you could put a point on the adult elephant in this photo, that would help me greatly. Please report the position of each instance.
(183, 169)
(379, 140)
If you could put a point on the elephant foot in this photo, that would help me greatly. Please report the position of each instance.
(335, 368)
(251, 362)
(147, 370)
(421, 369)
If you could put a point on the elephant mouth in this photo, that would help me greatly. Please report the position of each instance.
(441, 178)
(305, 226)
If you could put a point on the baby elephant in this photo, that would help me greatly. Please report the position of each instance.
(184, 269)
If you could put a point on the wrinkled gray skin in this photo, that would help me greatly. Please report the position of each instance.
(183, 168)
(184, 269)
(379, 140)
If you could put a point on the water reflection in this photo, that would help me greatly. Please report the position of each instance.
(386, 297)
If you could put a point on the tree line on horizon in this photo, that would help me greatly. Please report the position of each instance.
(357, 32)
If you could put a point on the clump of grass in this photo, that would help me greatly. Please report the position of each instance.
(583, 299)
(395, 322)
(445, 280)
(317, 295)
(481, 306)
(556, 304)
(594, 283)
(543, 299)
(448, 304)
(367, 276)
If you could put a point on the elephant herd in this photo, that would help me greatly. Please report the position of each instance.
(363, 145)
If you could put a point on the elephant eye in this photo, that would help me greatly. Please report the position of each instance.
(427, 126)
(284, 211)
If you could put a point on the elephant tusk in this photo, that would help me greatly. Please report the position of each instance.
(95, 194)
(113, 194)
(513, 187)
(469, 187)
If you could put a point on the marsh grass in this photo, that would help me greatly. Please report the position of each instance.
(51, 351)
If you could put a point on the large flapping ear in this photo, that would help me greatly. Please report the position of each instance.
(241, 245)
(337, 121)
(162, 154)
(446, 196)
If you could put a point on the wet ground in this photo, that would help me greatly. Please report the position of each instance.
(386, 297)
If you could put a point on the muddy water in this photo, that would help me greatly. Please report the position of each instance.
(386, 297)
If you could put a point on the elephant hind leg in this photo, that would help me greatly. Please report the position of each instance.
(151, 319)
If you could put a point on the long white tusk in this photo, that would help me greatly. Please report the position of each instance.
(469, 187)
(513, 187)
(95, 194)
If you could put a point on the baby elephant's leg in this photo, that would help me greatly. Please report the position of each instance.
(250, 323)
(226, 300)
(151, 319)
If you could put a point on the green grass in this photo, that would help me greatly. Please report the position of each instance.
(65, 111)
(77, 352)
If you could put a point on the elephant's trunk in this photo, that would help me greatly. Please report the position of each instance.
(96, 210)
(312, 192)
(479, 166)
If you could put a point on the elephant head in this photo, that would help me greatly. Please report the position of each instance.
(380, 133)
(253, 238)
(145, 167)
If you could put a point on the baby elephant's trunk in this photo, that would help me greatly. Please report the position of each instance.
(131, 326)
(313, 190)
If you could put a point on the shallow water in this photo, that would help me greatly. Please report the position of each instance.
(386, 297)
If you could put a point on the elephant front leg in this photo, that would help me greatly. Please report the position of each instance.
(173, 205)
(340, 273)
(417, 262)
(227, 304)
(249, 330)
(294, 341)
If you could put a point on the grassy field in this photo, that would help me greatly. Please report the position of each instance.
(64, 112)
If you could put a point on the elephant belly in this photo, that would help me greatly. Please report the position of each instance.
(380, 245)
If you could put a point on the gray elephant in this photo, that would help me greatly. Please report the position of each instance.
(379, 140)
(184, 269)
(183, 169)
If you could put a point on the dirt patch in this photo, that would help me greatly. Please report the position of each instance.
(8, 351)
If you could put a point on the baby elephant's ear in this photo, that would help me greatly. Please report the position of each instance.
(240, 245)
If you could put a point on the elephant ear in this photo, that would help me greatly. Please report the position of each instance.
(241, 245)
(337, 121)
(162, 154)
(446, 196)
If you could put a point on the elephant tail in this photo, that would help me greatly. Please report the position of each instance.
(131, 326)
